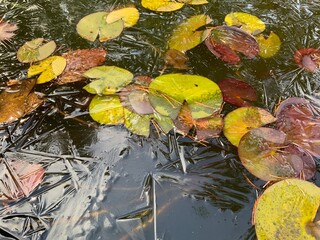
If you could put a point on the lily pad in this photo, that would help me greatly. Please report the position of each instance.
(193, 2)
(161, 5)
(286, 210)
(129, 16)
(92, 25)
(308, 58)
(79, 61)
(7, 30)
(35, 50)
(169, 91)
(268, 46)
(109, 79)
(49, 68)
(237, 92)
(266, 154)
(137, 124)
(186, 36)
(238, 122)
(246, 22)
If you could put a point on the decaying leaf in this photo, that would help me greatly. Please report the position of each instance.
(49, 68)
(18, 100)
(287, 210)
(245, 21)
(35, 50)
(176, 59)
(161, 5)
(7, 30)
(78, 62)
(269, 46)
(308, 58)
(18, 178)
(238, 122)
(129, 16)
(186, 36)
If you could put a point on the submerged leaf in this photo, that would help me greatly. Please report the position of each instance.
(169, 91)
(308, 58)
(246, 22)
(78, 62)
(186, 36)
(237, 92)
(286, 210)
(129, 16)
(161, 5)
(49, 68)
(7, 30)
(109, 79)
(35, 50)
(18, 100)
(176, 59)
(265, 153)
(238, 122)
(92, 25)
(268, 46)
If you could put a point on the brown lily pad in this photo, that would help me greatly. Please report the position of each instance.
(308, 58)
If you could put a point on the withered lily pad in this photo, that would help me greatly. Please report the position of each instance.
(109, 79)
(246, 22)
(308, 59)
(176, 59)
(168, 92)
(186, 36)
(78, 62)
(35, 50)
(287, 210)
(238, 122)
(7, 30)
(18, 100)
(237, 92)
(267, 155)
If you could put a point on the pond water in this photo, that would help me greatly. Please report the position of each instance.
(103, 182)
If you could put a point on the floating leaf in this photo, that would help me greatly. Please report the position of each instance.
(169, 91)
(136, 123)
(176, 59)
(308, 58)
(286, 210)
(18, 100)
(109, 79)
(129, 16)
(246, 22)
(92, 25)
(35, 50)
(162, 122)
(7, 30)
(265, 153)
(268, 46)
(186, 36)
(238, 122)
(78, 62)
(49, 68)
(237, 92)
(19, 178)
(161, 5)
(193, 2)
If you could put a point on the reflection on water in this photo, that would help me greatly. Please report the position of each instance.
(104, 183)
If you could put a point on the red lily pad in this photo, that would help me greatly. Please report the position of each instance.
(266, 154)
(308, 58)
(237, 92)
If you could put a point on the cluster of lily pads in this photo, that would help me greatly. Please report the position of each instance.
(189, 104)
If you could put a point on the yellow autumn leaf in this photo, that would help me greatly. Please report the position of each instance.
(194, 2)
(161, 5)
(186, 36)
(247, 22)
(49, 68)
(286, 210)
(268, 46)
(129, 16)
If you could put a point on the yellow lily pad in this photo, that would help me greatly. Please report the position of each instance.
(246, 22)
(92, 25)
(238, 122)
(49, 68)
(129, 16)
(268, 46)
(186, 36)
(161, 5)
(194, 2)
(286, 210)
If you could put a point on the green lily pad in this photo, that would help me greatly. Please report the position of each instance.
(186, 36)
(168, 92)
(286, 210)
(268, 46)
(35, 50)
(164, 123)
(92, 25)
(137, 124)
(109, 79)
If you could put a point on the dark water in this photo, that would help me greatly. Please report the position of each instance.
(105, 183)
